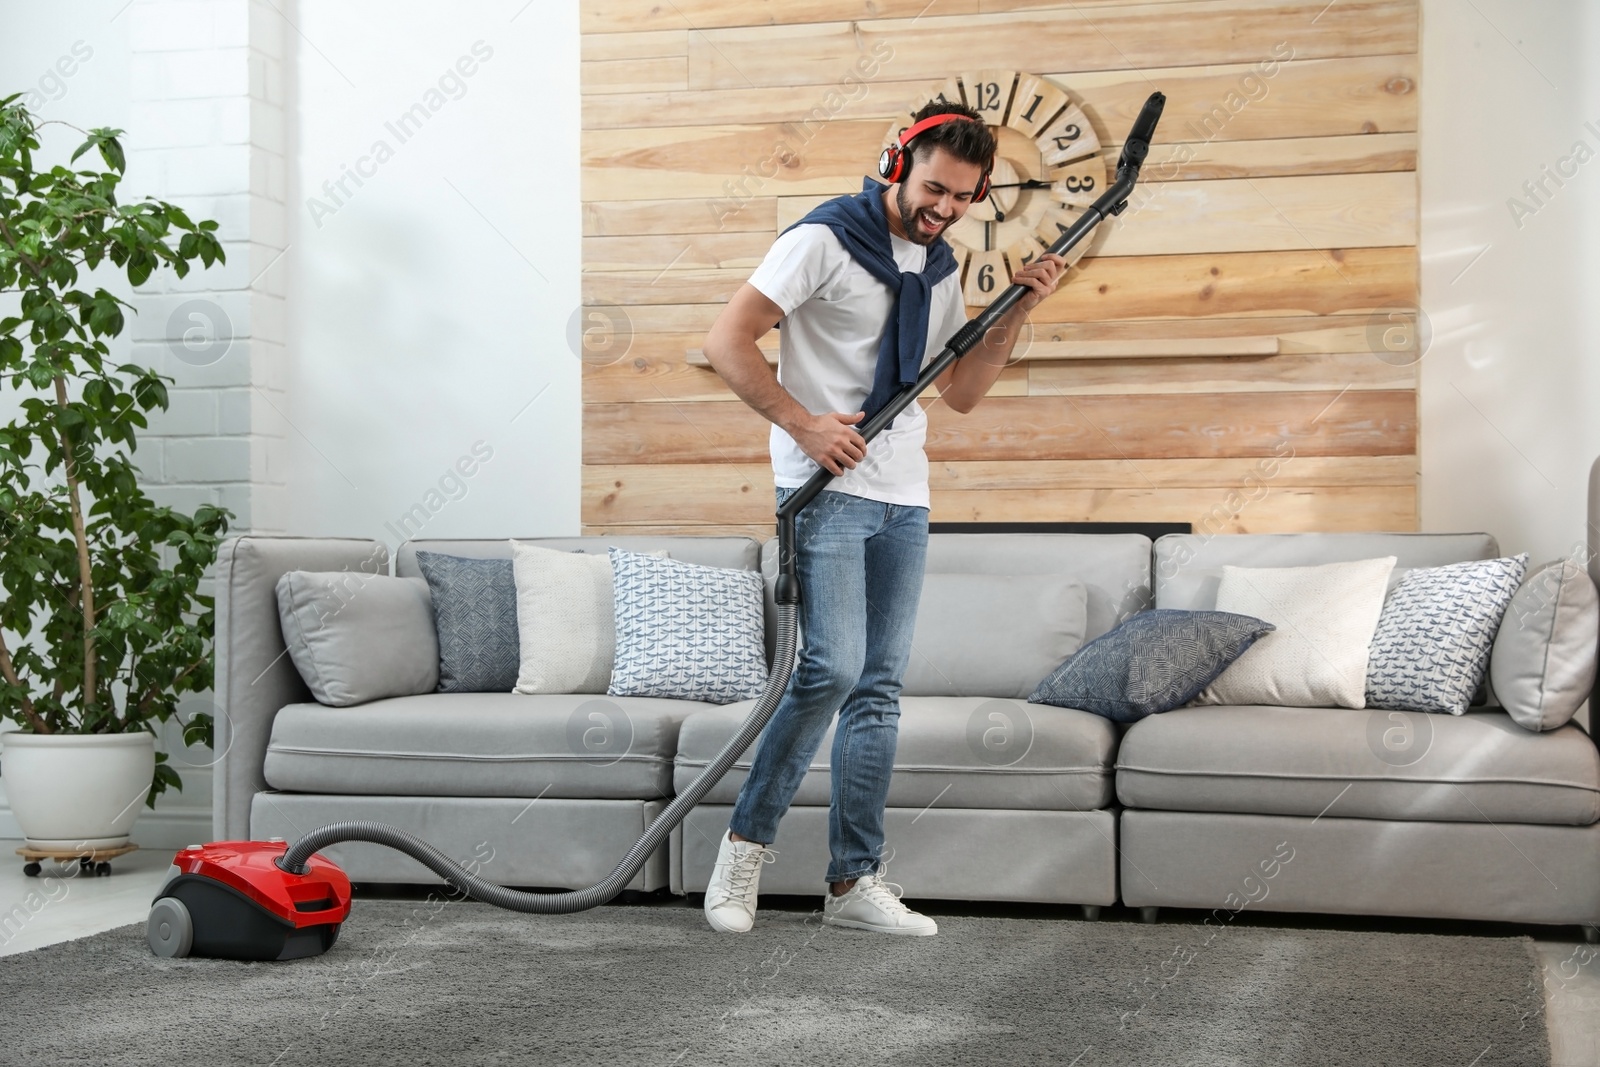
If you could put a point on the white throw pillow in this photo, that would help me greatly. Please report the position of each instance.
(566, 633)
(1325, 617)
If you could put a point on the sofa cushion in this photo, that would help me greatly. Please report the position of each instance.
(992, 635)
(686, 631)
(574, 746)
(958, 752)
(1363, 764)
(1156, 661)
(1430, 651)
(1325, 616)
(475, 615)
(355, 637)
(1544, 653)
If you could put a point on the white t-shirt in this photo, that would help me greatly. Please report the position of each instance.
(835, 312)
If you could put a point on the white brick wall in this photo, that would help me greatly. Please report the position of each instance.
(209, 133)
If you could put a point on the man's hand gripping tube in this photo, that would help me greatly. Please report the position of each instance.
(1111, 202)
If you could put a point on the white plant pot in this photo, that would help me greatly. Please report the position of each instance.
(72, 791)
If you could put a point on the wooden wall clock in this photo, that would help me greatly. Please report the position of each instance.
(1049, 166)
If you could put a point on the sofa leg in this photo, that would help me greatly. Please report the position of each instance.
(1591, 933)
(1149, 914)
(1091, 912)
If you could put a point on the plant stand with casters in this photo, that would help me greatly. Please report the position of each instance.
(95, 861)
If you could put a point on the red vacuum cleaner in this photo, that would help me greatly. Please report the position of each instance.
(231, 900)
(260, 900)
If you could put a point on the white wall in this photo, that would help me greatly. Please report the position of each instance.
(1511, 385)
(429, 303)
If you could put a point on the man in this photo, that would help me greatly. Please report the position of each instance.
(861, 543)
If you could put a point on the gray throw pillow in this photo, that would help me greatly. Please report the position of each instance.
(1152, 662)
(992, 635)
(475, 614)
(1543, 664)
(356, 637)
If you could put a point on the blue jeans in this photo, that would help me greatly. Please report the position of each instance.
(860, 564)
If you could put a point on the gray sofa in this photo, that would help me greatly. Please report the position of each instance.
(1492, 822)
(1207, 807)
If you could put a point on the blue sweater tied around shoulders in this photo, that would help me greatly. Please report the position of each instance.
(862, 226)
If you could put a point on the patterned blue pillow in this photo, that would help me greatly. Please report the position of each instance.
(686, 631)
(475, 614)
(1431, 649)
(1153, 662)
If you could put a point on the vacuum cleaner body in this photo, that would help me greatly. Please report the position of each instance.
(231, 900)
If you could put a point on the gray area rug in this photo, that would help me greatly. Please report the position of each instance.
(443, 982)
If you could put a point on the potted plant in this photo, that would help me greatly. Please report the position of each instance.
(99, 633)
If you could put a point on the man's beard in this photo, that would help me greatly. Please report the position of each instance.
(908, 220)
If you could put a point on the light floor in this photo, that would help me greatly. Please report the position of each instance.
(58, 905)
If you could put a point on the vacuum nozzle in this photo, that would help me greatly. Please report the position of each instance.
(1137, 145)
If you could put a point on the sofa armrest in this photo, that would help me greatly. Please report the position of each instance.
(1586, 716)
(254, 674)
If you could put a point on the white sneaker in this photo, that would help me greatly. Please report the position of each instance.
(874, 904)
(731, 896)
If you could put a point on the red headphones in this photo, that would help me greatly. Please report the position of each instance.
(895, 163)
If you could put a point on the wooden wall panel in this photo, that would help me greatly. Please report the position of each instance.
(1303, 492)
(1316, 281)
(1111, 38)
(1304, 98)
(1279, 203)
(1348, 422)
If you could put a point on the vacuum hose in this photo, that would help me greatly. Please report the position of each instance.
(295, 857)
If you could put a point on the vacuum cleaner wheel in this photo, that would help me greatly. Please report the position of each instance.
(169, 931)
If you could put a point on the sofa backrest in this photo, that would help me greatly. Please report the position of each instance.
(741, 553)
(1188, 567)
(1114, 568)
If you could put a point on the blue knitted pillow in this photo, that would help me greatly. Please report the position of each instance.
(475, 614)
(1153, 662)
